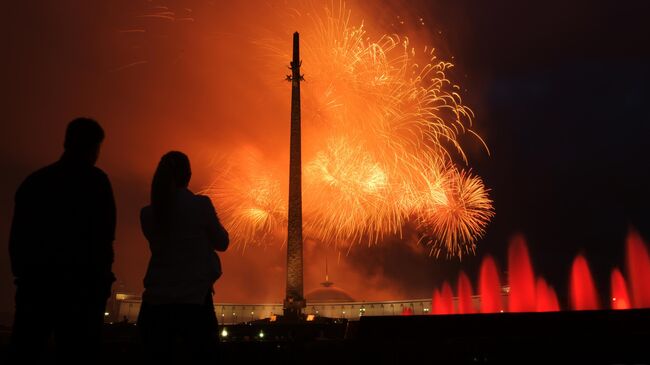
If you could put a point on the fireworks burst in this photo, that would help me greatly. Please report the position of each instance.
(455, 213)
(385, 131)
(251, 203)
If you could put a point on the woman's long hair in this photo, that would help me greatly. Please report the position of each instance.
(173, 172)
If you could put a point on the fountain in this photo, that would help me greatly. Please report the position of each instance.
(638, 270)
(464, 295)
(490, 287)
(546, 297)
(582, 291)
(619, 295)
(523, 321)
(521, 278)
(443, 300)
(526, 293)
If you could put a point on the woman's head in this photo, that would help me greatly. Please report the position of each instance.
(174, 169)
(173, 173)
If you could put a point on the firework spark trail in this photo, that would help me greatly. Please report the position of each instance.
(345, 176)
(140, 30)
(251, 203)
(387, 131)
(455, 214)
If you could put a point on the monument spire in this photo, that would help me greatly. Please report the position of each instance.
(327, 283)
(294, 301)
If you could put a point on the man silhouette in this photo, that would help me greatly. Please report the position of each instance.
(61, 250)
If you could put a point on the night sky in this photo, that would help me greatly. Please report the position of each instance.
(559, 89)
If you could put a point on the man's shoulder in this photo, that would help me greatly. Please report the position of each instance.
(56, 169)
(99, 175)
(92, 175)
(44, 171)
(39, 176)
(99, 172)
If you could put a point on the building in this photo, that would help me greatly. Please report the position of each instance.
(328, 303)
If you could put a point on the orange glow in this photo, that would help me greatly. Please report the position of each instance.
(381, 133)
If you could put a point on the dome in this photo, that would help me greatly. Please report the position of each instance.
(328, 294)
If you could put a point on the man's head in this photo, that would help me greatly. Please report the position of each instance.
(83, 137)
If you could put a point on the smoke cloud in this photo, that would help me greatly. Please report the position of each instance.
(196, 76)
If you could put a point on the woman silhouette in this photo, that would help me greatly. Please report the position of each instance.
(183, 231)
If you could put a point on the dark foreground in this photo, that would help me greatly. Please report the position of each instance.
(588, 337)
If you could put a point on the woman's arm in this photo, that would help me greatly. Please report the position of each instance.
(217, 235)
(146, 223)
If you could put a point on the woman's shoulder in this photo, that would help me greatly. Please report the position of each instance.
(202, 199)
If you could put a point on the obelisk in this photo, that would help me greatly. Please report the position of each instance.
(294, 301)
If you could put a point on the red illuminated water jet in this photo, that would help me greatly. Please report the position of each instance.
(489, 286)
(464, 295)
(638, 270)
(529, 295)
(582, 291)
(443, 301)
(520, 276)
(619, 296)
(546, 297)
(435, 302)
